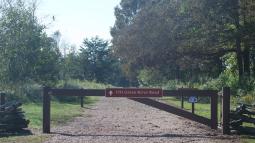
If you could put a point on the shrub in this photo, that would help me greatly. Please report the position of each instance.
(77, 84)
(150, 77)
(25, 92)
(248, 99)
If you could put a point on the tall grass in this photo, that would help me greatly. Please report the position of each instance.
(80, 84)
(31, 92)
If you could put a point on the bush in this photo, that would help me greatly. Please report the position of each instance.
(150, 77)
(173, 84)
(77, 84)
(248, 99)
(24, 92)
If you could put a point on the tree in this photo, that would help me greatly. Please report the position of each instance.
(26, 52)
(71, 67)
(98, 63)
(126, 12)
(190, 37)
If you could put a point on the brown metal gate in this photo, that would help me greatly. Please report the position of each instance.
(213, 94)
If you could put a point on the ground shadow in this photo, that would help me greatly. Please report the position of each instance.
(212, 136)
(15, 133)
(88, 108)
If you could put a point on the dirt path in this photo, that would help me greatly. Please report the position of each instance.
(118, 120)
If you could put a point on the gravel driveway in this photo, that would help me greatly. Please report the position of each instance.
(120, 120)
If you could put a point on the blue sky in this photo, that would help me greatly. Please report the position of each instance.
(78, 19)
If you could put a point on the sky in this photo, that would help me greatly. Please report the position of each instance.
(78, 19)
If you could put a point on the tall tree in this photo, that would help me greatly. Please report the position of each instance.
(98, 62)
(188, 36)
(24, 45)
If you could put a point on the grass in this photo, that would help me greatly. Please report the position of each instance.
(203, 109)
(25, 139)
(60, 114)
(248, 139)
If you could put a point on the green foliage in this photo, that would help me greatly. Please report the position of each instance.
(194, 42)
(81, 84)
(248, 99)
(72, 66)
(150, 77)
(216, 84)
(95, 56)
(176, 84)
(98, 63)
(25, 92)
(25, 50)
(246, 87)
(32, 91)
(173, 85)
(77, 84)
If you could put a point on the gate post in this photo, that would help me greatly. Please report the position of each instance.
(2, 98)
(214, 111)
(46, 110)
(182, 101)
(225, 110)
(82, 101)
(182, 98)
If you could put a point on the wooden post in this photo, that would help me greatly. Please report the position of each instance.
(182, 101)
(46, 110)
(182, 98)
(214, 111)
(225, 110)
(193, 108)
(82, 100)
(2, 98)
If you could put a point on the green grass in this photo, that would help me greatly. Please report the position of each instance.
(202, 109)
(77, 84)
(25, 139)
(60, 114)
(245, 140)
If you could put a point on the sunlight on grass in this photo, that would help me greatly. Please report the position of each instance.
(201, 109)
(60, 112)
(25, 139)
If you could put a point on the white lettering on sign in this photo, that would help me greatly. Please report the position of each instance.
(134, 92)
(192, 99)
(110, 93)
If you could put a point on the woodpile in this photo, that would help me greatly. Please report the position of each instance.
(243, 114)
(12, 117)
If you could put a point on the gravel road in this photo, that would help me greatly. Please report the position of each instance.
(120, 120)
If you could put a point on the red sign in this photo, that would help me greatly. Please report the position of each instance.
(133, 92)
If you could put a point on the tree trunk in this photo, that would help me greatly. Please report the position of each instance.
(238, 39)
(246, 51)
(253, 69)
(239, 57)
(246, 60)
